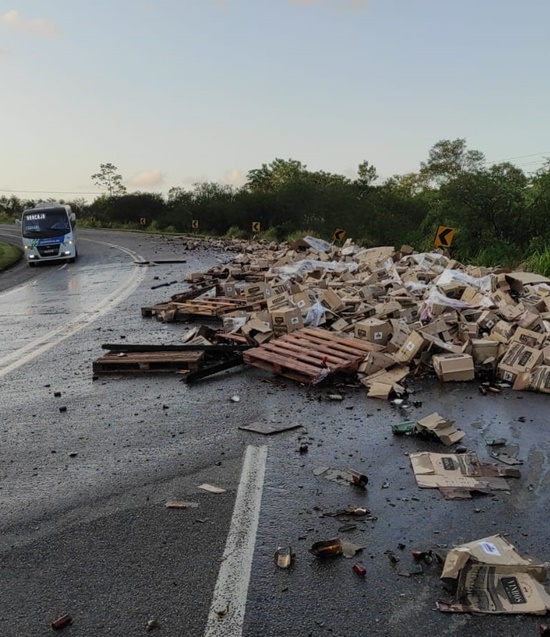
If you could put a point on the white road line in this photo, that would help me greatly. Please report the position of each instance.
(40, 345)
(226, 616)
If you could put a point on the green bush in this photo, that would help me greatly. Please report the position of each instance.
(498, 253)
(234, 232)
(539, 262)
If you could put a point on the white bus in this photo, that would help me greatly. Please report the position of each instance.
(48, 233)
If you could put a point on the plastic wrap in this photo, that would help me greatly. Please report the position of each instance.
(483, 284)
(301, 268)
(315, 315)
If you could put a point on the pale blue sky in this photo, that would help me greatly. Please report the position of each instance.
(175, 91)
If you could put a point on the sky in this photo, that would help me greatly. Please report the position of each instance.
(175, 92)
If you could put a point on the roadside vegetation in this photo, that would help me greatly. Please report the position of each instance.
(500, 213)
(8, 255)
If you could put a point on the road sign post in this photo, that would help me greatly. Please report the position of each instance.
(142, 221)
(339, 235)
(444, 237)
(195, 224)
(256, 226)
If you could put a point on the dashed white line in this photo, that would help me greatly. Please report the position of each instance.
(227, 611)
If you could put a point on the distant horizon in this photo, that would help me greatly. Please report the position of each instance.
(175, 93)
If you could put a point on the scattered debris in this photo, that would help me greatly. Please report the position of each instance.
(495, 442)
(335, 547)
(152, 624)
(179, 504)
(284, 557)
(404, 429)
(436, 426)
(235, 399)
(458, 476)
(211, 488)
(490, 576)
(360, 569)
(507, 454)
(269, 428)
(61, 622)
(343, 476)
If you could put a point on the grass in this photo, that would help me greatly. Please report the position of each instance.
(539, 262)
(8, 255)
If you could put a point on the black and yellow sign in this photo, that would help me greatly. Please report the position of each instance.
(256, 226)
(339, 235)
(142, 221)
(444, 237)
(195, 224)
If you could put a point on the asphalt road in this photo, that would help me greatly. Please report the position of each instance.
(84, 527)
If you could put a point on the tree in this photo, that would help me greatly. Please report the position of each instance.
(449, 159)
(273, 176)
(108, 179)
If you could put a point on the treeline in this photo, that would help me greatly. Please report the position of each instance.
(501, 215)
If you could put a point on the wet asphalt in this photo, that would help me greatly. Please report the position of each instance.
(84, 527)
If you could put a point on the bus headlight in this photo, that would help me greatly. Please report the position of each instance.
(69, 243)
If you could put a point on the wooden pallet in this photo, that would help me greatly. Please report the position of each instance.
(213, 308)
(309, 355)
(147, 362)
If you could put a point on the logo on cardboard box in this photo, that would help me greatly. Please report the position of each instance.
(513, 590)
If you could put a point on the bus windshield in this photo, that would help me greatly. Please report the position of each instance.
(53, 222)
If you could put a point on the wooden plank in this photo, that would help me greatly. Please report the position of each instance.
(218, 349)
(300, 351)
(279, 363)
(324, 350)
(192, 377)
(143, 362)
(332, 336)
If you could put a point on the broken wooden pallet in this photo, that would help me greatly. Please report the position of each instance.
(212, 308)
(147, 362)
(309, 355)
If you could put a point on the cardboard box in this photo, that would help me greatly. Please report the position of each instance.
(531, 320)
(490, 576)
(471, 296)
(376, 361)
(529, 338)
(518, 358)
(539, 379)
(437, 328)
(454, 367)
(256, 292)
(331, 300)
(517, 280)
(504, 329)
(414, 344)
(302, 300)
(487, 320)
(341, 325)
(483, 349)
(443, 429)
(387, 310)
(278, 302)
(400, 331)
(257, 330)
(285, 321)
(373, 330)
(229, 289)
(457, 475)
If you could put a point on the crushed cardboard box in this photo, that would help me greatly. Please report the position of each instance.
(457, 476)
(490, 576)
(440, 428)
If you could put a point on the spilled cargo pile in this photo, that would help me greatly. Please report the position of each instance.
(310, 308)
